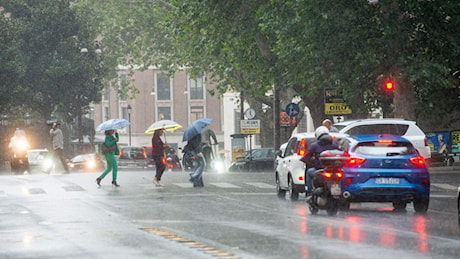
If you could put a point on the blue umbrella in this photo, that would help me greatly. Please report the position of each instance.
(112, 124)
(195, 128)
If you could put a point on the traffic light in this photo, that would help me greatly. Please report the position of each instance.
(389, 85)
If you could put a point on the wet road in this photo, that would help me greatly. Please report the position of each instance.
(233, 216)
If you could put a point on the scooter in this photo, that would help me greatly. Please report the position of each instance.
(327, 183)
(19, 160)
(172, 161)
(188, 160)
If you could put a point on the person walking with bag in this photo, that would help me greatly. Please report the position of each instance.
(158, 153)
(111, 140)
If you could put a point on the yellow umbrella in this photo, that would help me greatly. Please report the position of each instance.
(166, 125)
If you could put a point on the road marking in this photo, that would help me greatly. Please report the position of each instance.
(261, 185)
(445, 186)
(224, 185)
(193, 244)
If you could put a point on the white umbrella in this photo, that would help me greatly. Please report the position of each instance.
(112, 124)
(166, 125)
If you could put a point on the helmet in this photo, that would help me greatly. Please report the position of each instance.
(320, 131)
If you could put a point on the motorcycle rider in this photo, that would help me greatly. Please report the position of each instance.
(323, 142)
(19, 146)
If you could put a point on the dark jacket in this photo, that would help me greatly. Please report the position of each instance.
(157, 146)
(194, 144)
(324, 143)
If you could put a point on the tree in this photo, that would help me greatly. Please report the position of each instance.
(58, 77)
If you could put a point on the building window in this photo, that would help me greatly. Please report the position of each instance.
(124, 113)
(106, 94)
(196, 87)
(121, 83)
(196, 112)
(164, 113)
(106, 113)
(163, 86)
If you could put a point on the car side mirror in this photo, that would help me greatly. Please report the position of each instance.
(279, 153)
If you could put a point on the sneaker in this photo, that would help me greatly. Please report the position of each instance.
(157, 183)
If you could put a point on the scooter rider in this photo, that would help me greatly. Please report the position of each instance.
(323, 142)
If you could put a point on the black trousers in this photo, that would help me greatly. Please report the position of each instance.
(160, 166)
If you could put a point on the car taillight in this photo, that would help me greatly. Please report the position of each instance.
(348, 181)
(384, 141)
(418, 161)
(302, 147)
(163, 160)
(426, 182)
(144, 154)
(121, 154)
(355, 161)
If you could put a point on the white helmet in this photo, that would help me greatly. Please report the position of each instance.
(320, 131)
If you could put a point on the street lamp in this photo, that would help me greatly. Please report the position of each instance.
(129, 119)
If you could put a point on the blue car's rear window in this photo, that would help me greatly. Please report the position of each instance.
(384, 148)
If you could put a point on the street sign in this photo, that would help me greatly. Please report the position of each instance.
(250, 126)
(292, 109)
(334, 103)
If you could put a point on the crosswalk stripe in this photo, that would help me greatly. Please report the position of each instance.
(261, 185)
(445, 186)
(224, 185)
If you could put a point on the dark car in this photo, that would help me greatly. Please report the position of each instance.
(133, 156)
(86, 162)
(259, 159)
(386, 168)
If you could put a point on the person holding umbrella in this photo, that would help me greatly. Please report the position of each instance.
(111, 138)
(193, 137)
(158, 154)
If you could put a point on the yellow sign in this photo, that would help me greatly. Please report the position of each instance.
(250, 127)
(336, 109)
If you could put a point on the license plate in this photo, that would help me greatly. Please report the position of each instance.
(335, 189)
(387, 180)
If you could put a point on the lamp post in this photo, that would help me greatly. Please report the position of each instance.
(129, 119)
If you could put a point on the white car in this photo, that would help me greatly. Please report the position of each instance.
(290, 171)
(40, 159)
(401, 127)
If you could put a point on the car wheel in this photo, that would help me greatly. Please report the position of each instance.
(421, 205)
(293, 195)
(279, 191)
(399, 205)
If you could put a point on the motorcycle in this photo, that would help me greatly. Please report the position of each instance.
(19, 160)
(188, 160)
(327, 183)
(172, 161)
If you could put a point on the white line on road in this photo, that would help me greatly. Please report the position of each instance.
(445, 186)
(224, 185)
(261, 185)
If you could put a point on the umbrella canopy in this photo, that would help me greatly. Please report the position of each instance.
(195, 128)
(166, 125)
(112, 124)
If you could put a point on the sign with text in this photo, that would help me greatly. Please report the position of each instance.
(250, 126)
(334, 103)
(455, 141)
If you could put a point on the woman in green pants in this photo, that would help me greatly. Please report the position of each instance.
(111, 138)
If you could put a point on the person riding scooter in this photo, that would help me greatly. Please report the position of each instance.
(323, 142)
(19, 145)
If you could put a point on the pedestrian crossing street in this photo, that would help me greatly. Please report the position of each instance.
(254, 187)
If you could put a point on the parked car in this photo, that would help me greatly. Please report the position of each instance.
(133, 156)
(290, 171)
(386, 168)
(400, 127)
(259, 159)
(39, 159)
(86, 162)
(148, 150)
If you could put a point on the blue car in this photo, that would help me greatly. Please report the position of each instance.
(385, 168)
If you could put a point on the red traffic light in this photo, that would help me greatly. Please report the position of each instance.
(389, 85)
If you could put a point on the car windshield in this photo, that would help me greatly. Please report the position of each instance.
(392, 129)
(377, 148)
